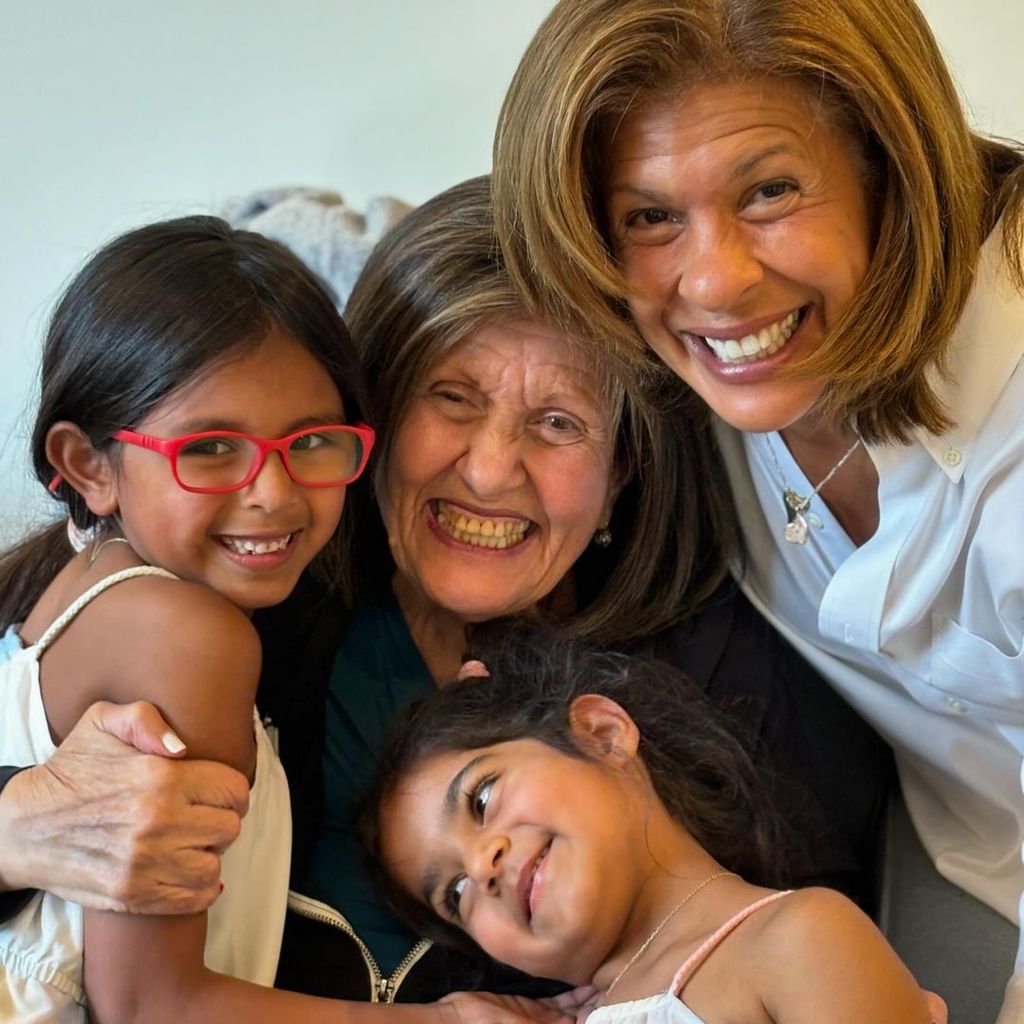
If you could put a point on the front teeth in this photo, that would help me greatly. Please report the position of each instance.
(755, 346)
(253, 547)
(481, 533)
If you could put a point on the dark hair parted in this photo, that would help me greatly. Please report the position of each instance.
(872, 67)
(697, 767)
(432, 282)
(149, 313)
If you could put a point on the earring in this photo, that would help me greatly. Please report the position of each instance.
(603, 537)
(81, 537)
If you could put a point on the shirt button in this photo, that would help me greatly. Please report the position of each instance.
(953, 457)
(956, 705)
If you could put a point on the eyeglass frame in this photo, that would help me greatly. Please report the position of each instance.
(171, 446)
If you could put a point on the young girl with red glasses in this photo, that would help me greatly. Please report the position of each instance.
(199, 392)
(570, 815)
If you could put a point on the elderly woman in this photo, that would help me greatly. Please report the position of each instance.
(782, 198)
(517, 477)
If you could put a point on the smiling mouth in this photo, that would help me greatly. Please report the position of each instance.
(753, 347)
(478, 531)
(256, 546)
(527, 889)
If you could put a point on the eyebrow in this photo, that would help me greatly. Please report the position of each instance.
(744, 167)
(450, 804)
(205, 425)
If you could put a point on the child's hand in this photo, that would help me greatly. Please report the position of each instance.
(107, 825)
(485, 1008)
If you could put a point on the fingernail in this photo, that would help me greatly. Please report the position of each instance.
(473, 669)
(172, 744)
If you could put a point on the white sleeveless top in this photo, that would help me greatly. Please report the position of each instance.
(41, 948)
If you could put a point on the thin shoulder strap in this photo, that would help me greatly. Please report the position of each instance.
(65, 619)
(712, 942)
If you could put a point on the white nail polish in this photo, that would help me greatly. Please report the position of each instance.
(172, 744)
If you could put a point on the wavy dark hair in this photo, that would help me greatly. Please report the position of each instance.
(697, 766)
(148, 314)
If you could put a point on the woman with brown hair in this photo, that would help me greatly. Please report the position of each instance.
(785, 202)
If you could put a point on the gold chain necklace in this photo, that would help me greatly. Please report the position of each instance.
(665, 920)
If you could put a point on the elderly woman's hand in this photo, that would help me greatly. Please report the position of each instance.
(108, 824)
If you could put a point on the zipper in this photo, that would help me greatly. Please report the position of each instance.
(382, 989)
(392, 984)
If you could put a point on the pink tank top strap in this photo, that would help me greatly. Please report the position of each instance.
(712, 942)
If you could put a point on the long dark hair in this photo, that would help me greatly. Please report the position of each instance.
(149, 313)
(697, 766)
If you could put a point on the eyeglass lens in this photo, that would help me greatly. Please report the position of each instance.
(325, 455)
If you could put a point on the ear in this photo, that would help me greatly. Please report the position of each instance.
(602, 728)
(86, 469)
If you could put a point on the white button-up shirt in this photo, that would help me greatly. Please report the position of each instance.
(922, 627)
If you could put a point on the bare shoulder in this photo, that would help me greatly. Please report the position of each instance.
(820, 957)
(803, 914)
(810, 923)
(177, 644)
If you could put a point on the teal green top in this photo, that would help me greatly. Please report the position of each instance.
(377, 674)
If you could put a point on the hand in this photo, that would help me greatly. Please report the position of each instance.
(577, 1002)
(486, 1008)
(107, 824)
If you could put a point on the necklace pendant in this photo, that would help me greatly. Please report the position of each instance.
(796, 505)
(796, 529)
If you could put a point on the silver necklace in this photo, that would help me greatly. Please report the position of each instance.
(664, 921)
(798, 514)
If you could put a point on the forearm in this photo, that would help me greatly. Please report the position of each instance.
(258, 1005)
(12, 898)
(214, 998)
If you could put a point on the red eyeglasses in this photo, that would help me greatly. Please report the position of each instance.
(219, 461)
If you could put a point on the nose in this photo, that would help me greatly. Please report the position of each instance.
(487, 860)
(492, 462)
(272, 487)
(719, 265)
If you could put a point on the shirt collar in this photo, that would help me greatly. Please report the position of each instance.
(986, 347)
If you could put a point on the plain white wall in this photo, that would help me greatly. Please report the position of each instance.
(117, 112)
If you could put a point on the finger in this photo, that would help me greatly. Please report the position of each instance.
(186, 901)
(139, 725)
(212, 828)
(193, 887)
(216, 785)
(473, 669)
(572, 1000)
